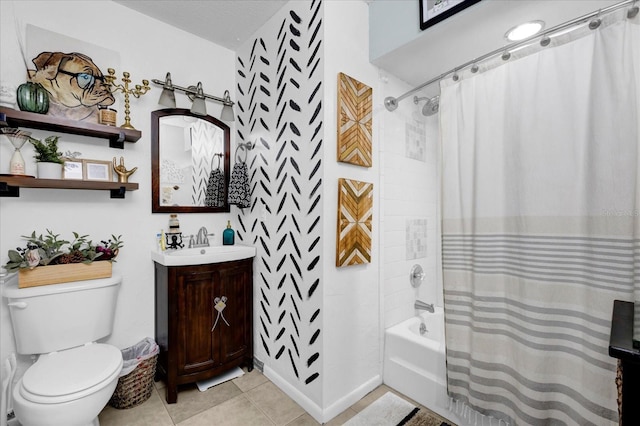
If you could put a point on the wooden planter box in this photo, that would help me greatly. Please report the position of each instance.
(55, 274)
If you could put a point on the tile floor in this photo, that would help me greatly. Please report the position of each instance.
(247, 400)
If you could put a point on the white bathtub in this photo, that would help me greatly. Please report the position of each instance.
(415, 365)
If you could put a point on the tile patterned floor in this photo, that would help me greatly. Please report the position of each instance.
(246, 401)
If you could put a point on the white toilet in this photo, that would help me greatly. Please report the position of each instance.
(74, 377)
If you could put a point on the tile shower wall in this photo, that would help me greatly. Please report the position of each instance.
(416, 238)
(409, 178)
(280, 109)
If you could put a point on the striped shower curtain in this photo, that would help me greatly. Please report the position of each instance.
(540, 224)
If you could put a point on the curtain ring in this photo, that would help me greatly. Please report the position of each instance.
(595, 22)
(633, 10)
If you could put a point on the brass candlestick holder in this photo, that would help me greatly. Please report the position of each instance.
(124, 88)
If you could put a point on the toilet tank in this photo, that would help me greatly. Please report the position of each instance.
(60, 316)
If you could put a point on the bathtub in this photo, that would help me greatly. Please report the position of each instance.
(415, 365)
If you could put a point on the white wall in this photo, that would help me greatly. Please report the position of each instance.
(409, 193)
(350, 350)
(280, 102)
(148, 49)
(393, 24)
(352, 317)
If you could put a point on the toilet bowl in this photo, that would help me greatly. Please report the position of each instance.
(68, 388)
(73, 378)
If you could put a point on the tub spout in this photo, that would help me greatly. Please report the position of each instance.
(424, 306)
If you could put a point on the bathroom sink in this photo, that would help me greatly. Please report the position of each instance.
(203, 255)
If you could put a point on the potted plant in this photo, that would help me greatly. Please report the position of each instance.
(49, 259)
(49, 159)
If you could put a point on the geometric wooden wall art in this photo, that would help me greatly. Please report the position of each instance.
(355, 101)
(355, 215)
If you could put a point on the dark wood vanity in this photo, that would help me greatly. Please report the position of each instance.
(621, 346)
(185, 301)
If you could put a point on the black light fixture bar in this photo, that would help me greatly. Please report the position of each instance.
(192, 91)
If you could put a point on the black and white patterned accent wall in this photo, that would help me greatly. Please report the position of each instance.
(280, 109)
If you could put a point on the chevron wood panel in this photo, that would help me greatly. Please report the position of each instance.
(355, 216)
(355, 101)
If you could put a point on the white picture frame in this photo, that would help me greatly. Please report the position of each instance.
(97, 170)
(73, 169)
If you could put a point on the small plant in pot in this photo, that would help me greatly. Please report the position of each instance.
(49, 159)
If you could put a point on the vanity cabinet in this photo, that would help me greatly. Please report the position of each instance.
(197, 341)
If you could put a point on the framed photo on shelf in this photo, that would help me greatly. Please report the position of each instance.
(72, 169)
(434, 11)
(97, 170)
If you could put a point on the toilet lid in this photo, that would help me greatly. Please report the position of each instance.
(72, 370)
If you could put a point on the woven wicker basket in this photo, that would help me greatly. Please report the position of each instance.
(136, 387)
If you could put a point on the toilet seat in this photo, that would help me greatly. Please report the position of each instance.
(71, 374)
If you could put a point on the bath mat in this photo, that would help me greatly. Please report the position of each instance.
(203, 385)
(391, 410)
(388, 410)
(420, 417)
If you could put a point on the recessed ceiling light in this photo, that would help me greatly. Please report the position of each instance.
(522, 31)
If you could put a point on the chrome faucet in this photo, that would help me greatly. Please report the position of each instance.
(424, 306)
(202, 238)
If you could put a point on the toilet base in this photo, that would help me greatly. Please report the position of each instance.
(15, 422)
(79, 412)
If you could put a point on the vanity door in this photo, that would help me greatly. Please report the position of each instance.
(196, 292)
(236, 285)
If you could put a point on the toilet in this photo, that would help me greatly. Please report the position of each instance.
(74, 376)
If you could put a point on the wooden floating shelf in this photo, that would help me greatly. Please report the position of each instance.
(10, 185)
(116, 135)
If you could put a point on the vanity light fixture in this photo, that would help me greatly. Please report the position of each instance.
(227, 111)
(197, 95)
(199, 105)
(168, 96)
(522, 31)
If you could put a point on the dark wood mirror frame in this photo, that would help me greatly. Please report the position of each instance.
(155, 162)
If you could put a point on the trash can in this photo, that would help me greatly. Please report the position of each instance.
(136, 378)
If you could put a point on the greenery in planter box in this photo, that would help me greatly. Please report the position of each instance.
(47, 152)
(50, 249)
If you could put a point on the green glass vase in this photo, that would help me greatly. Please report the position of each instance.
(33, 97)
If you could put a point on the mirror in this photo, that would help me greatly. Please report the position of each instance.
(189, 162)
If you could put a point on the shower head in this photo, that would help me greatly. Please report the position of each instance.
(431, 107)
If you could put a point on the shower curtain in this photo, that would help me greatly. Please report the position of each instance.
(541, 212)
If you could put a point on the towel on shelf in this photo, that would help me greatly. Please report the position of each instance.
(239, 190)
(215, 189)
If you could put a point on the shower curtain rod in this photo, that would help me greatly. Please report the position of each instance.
(391, 103)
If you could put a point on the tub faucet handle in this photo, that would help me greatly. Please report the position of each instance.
(416, 276)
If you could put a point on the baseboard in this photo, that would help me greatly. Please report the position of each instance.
(314, 410)
(301, 399)
(351, 398)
